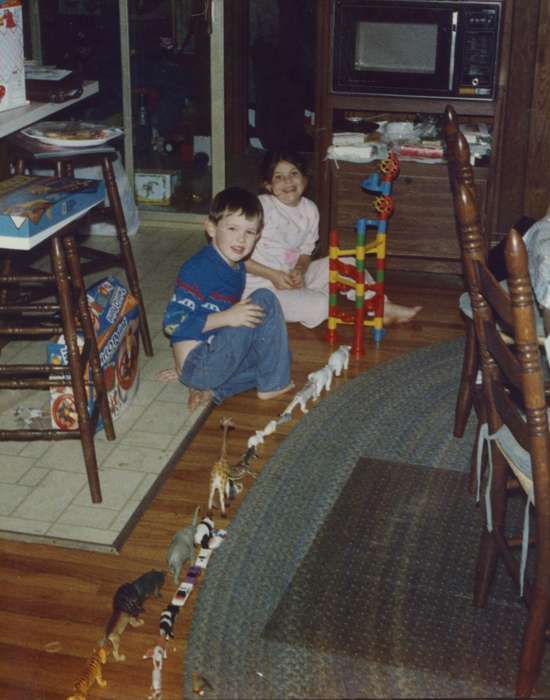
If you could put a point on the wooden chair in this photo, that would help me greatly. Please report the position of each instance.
(64, 160)
(65, 314)
(461, 172)
(469, 392)
(516, 432)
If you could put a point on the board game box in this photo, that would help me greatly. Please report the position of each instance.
(115, 315)
(34, 207)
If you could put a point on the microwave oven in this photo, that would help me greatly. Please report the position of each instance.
(421, 48)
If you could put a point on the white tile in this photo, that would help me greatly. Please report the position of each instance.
(147, 392)
(67, 455)
(88, 516)
(117, 487)
(169, 420)
(52, 496)
(13, 467)
(138, 438)
(87, 535)
(33, 477)
(137, 458)
(11, 496)
(23, 525)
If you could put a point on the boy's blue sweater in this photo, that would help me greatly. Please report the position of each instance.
(206, 283)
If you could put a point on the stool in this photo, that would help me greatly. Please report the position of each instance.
(65, 160)
(42, 320)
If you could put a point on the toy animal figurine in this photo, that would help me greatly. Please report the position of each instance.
(270, 428)
(182, 548)
(256, 440)
(92, 674)
(204, 531)
(221, 471)
(322, 379)
(339, 359)
(128, 605)
(307, 392)
(158, 654)
(167, 621)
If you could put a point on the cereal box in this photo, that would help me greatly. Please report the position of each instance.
(115, 315)
(12, 60)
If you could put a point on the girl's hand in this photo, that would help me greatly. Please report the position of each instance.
(244, 313)
(282, 279)
(297, 277)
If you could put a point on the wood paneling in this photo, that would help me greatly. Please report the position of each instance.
(422, 225)
(537, 188)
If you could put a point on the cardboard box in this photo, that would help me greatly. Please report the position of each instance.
(116, 321)
(156, 186)
(12, 59)
(33, 207)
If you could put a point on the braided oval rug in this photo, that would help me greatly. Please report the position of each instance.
(262, 625)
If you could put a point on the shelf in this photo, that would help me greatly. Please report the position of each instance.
(381, 103)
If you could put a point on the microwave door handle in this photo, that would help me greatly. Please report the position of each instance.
(454, 29)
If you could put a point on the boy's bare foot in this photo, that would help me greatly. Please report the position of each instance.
(273, 394)
(167, 375)
(395, 313)
(198, 397)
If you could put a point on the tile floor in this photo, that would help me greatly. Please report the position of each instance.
(44, 492)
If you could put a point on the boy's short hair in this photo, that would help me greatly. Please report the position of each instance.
(236, 200)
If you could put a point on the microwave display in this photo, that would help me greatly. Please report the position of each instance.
(428, 48)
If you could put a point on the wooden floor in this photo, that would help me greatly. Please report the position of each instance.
(54, 602)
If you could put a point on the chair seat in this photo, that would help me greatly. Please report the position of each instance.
(465, 305)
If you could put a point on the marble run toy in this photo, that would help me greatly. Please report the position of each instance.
(347, 266)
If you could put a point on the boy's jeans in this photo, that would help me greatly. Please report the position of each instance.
(238, 359)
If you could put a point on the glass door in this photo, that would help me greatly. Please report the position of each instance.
(172, 94)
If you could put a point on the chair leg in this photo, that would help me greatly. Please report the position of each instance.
(89, 333)
(466, 389)
(126, 251)
(76, 369)
(488, 551)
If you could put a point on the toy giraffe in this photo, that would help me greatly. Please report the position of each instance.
(220, 476)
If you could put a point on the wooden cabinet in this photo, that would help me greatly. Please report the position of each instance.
(421, 232)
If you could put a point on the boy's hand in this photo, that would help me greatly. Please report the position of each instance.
(244, 313)
(282, 279)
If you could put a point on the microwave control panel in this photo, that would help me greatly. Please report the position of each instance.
(479, 52)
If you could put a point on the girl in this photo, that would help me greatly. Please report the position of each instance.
(282, 261)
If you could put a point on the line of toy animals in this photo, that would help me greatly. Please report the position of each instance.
(225, 478)
(316, 382)
(129, 599)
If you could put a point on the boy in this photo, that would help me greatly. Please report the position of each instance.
(223, 345)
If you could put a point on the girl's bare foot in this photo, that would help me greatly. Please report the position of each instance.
(395, 313)
(273, 394)
(167, 375)
(198, 397)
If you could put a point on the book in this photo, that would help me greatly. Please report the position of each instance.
(32, 208)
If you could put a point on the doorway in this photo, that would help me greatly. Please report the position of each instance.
(159, 65)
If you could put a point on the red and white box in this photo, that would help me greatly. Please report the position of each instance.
(115, 316)
(12, 58)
